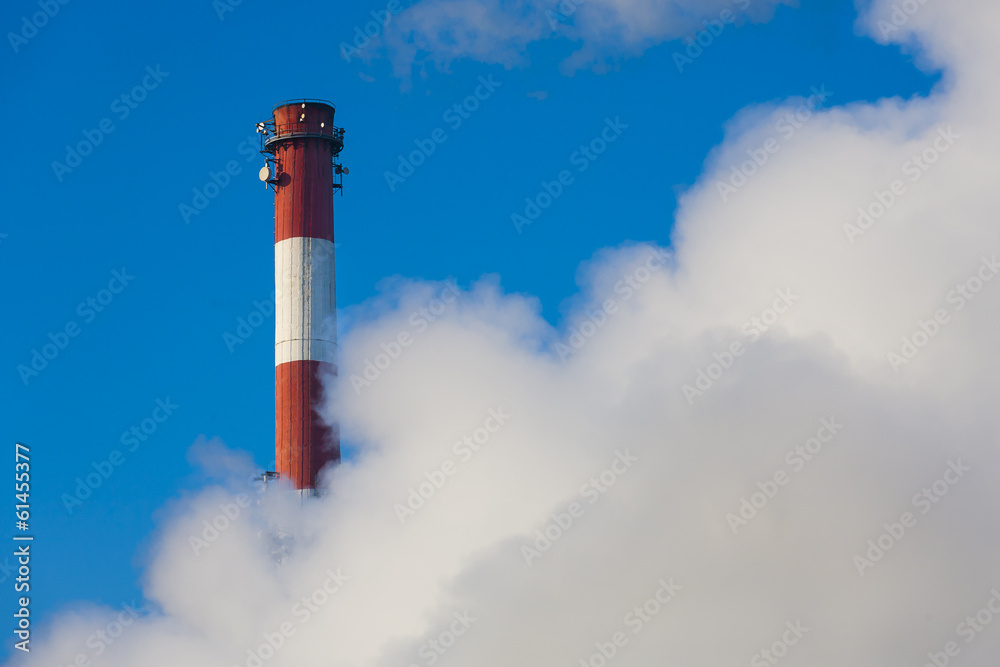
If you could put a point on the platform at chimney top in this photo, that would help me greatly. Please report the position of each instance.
(300, 119)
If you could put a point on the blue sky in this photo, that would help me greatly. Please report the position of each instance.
(161, 336)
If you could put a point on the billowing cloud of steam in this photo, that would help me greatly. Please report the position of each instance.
(716, 456)
(440, 32)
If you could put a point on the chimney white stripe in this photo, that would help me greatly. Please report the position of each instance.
(305, 302)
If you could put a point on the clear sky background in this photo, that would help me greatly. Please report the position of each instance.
(63, 235)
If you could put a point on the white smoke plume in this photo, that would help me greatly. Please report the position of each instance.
(441, 32)
(776, 442)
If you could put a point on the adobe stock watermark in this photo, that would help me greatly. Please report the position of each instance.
(122, 107)
(213, 528)
(958, 298)
(87, 310)
(636, 620)
(436, 478)
(217, 181)
(796, 458)
(753, 328)
(302, 611)
(372, 29)
(31, 26)
(564, 11)
(455, 116)
(263, 309)
(223, 7)
(779, 649)
(419, 321)
(246, 326)
(628, 286)
(899, 17)
(703, 39)
(915, 167)
(103, 637)
(434, 649)
(968, 629)
(786, 127)
(581, 158)
(924, 500)
(131, 440)
(592, 490)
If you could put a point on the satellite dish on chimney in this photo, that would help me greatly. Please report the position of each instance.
(264, 174)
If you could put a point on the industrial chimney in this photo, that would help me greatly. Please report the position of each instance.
(301, 146)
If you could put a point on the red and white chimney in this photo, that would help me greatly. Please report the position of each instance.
(301, 144)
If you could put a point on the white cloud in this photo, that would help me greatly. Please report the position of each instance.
(666, 515)
(440, 32)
